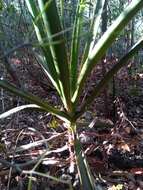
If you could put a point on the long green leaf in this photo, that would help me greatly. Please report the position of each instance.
(17, 109)
(94, 27)
(47, 62)
(33, 99)
(122, 62)
(104, 43)
(75, 44)
(58, 51)
(62, 11)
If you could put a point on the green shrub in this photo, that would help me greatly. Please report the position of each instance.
(65, 76)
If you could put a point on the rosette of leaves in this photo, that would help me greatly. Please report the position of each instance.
(64, 74)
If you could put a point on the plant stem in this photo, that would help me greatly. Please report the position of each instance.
(84, 173)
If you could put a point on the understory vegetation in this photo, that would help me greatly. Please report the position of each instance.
(71, 94)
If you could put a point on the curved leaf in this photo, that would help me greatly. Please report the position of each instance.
(17, 109)
(33, 99)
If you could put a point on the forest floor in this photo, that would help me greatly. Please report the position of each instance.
(111, 133)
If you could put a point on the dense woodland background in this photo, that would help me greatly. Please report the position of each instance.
(111, 130)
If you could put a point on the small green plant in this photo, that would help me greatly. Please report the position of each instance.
(65, 76)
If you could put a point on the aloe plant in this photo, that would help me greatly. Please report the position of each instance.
(65, 76)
